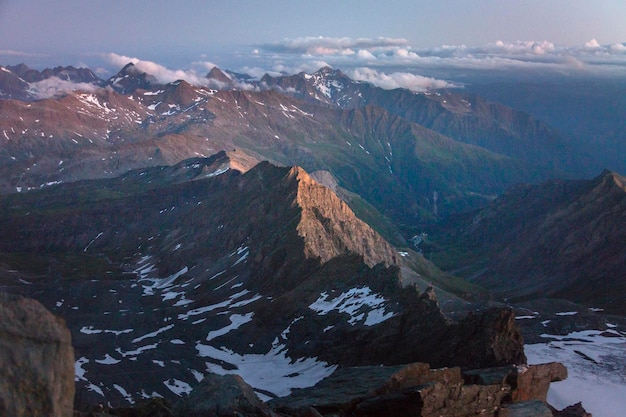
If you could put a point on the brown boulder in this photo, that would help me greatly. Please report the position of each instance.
(532, 382)
(36, 360)
(220, 395)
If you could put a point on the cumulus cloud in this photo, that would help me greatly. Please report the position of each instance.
(55, 86)
(406, 80)
(163, 74)
(592, 44)
(617, 48)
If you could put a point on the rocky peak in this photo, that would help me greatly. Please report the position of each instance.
(219, 79)
(611, 179)
(329, 72)
(70, 73)
(12, 86)
(131, 78)
(330, 228)
(25, 73)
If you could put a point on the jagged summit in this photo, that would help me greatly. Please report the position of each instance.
(67, 73)
(612, 177)
(131, 78)
(330, 72)
(219, 79)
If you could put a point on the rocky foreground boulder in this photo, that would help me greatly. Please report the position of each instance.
(36, 361)
(417, 390)
(412, 390)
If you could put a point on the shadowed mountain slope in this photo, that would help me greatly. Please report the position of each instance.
(560, 239)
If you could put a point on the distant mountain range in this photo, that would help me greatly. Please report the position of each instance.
(396, 149)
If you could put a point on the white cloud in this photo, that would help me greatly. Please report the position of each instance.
(322, 45)
(364, 54)
(166, 75)
(161, 73)
(592, 44)
(54, 86)
(617, 48)
(406, 80)
(388, 55)
(206, 65)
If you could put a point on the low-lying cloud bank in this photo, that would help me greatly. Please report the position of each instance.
(394, 80)
(196, 75)
(55, 86)
(397, 55)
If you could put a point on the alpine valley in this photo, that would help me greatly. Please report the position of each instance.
(344, 249)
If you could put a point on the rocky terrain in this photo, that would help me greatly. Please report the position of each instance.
(37, 380)
(36, 360)
(169, 273)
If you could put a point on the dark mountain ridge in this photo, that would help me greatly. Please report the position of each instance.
(558, 239)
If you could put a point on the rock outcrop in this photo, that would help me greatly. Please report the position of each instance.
(422, 333)
(220, 395)
(417, 390)
(36, 361)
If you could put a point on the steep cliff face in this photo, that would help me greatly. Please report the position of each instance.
(36, 361)
(330, 228)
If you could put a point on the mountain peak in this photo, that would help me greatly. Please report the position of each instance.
(219, 75)
(131, 78)
(330, 228)
(328, 70)
(609, 181)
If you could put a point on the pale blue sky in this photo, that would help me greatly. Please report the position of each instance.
(244, 33)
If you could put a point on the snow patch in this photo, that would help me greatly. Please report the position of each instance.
(274, 371)
(178, 387)
(236, 321)
(108, 360)
(354, 302)
(596, 363)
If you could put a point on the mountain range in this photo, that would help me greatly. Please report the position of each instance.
(281, 227)
(461, 148)
(559, 239)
